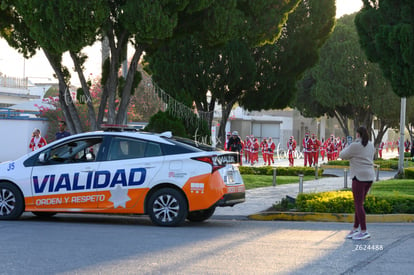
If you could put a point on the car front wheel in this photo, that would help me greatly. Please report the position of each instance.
(11, 201)
(167, 207)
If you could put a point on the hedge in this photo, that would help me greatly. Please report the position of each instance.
(280, 171)
(342, 202)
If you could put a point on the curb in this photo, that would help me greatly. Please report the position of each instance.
(329, 217)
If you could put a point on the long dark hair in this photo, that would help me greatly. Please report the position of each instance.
(363, 133)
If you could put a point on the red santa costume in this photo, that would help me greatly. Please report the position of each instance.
(307, 149)
(324, 144)
(315, 149)
(37, 140)
(247, 144)
(255, 151)
(270, 151)
(380, 148)
(407, 145)
(330, 148)
(291, 145)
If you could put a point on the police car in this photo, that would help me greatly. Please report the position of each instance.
(122, 172)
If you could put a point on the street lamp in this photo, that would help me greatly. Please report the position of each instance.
(401, 143)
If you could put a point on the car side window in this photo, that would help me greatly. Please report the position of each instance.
(74, 151)
(125, 148)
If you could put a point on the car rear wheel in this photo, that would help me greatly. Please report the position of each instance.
(167, 207)
(202, 215)
(11, 201)
(44, 214)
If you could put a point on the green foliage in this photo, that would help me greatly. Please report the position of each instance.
(280, 171)
(338, 162)
(164, 121)
(386, 34)
(409, 173)
(383, 163)
(342, 202)
(385, 197)
(256, 181)
(284, 205)
(345, 84)
(326, 202)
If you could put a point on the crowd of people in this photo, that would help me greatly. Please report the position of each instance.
(313, 148)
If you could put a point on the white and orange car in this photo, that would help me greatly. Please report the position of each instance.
(122, 172)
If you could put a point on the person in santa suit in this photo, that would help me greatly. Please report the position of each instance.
(291, 145)
(37, 140)
(380, 148)
(330, 148)
(270, 151)
(247, 144)
(307, 149)
(407, 145)
(263, 148)
(316, 144)
(323, 148)
(255, 151)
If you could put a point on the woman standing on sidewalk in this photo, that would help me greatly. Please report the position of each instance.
(361, 159)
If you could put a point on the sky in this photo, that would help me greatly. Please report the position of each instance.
(13, 64)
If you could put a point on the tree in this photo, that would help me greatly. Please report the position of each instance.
(345, 85)
(386, 33)
(68, 26)
(245, 72)
(282, 64)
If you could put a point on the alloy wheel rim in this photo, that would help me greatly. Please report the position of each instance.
(166, 208)
(7, 202)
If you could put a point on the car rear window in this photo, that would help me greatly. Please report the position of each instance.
(178, 148)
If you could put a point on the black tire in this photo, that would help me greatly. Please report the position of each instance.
(202, 215)
(44, 214)
(167, 207)
(11, 201)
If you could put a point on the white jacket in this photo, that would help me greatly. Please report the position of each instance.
(361, 160)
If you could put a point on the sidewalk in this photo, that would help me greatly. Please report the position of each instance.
(259, 200)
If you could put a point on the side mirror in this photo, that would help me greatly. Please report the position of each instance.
(42, 157)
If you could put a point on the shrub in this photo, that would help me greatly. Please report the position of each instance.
(409, 173)
(280, 171)
(342, 202)
(326, 202)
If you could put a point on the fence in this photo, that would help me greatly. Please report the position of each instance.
(13, 82)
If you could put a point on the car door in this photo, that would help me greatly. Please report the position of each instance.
(63, 177)
(131, 165)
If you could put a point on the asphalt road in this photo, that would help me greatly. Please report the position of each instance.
(93, 244)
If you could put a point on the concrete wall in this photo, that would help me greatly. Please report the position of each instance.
(15, 136)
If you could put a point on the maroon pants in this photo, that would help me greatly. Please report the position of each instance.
(360, 190)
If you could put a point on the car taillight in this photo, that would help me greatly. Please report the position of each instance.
(211, 161)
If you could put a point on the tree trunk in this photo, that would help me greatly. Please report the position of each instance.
(126, 92)
(68, 108)
(85, 88)
(225, 113)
